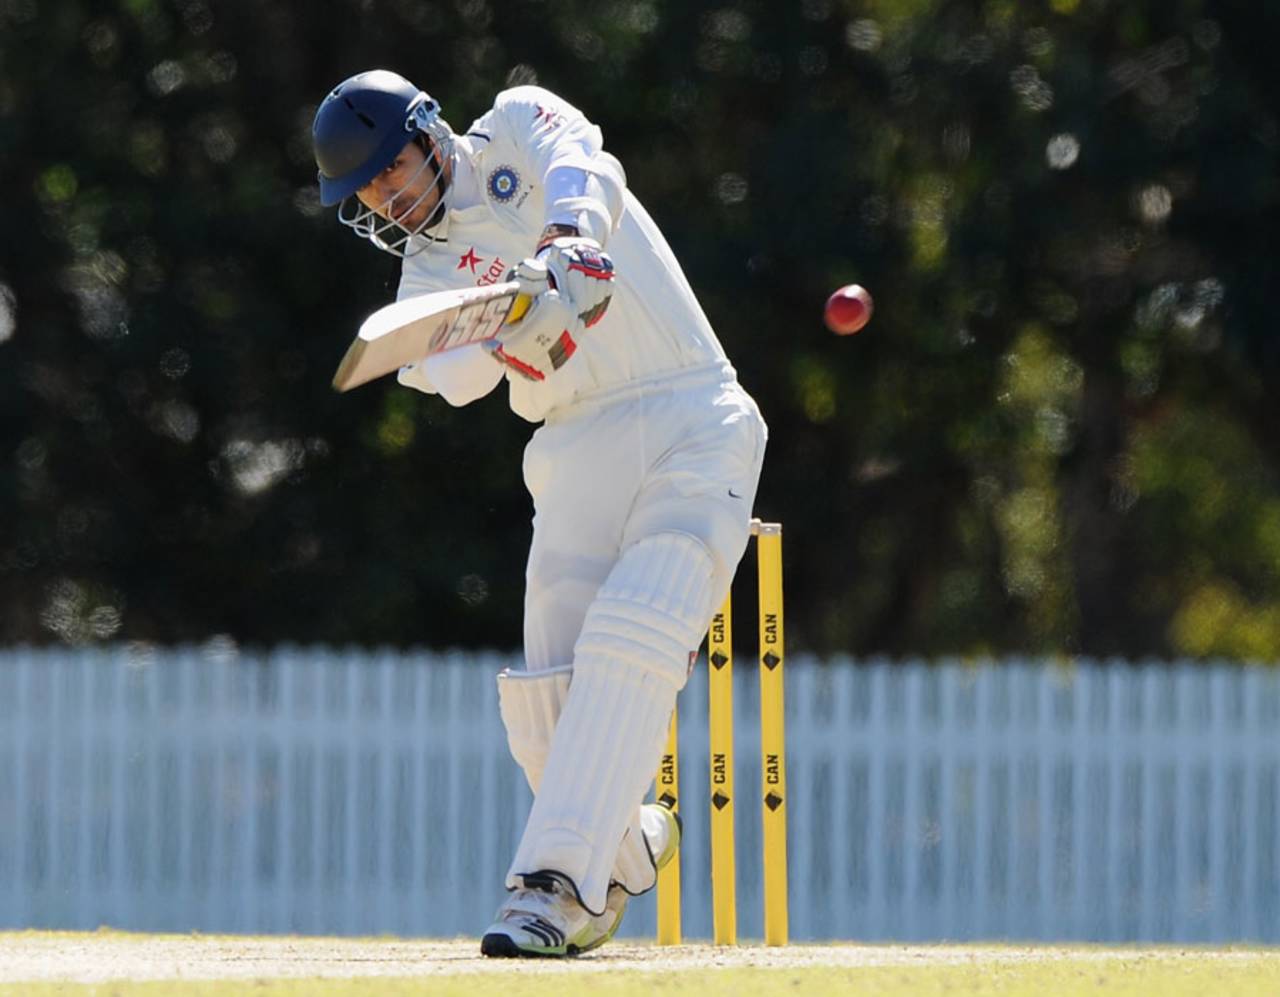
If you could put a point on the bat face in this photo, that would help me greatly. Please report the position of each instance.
(407, 331)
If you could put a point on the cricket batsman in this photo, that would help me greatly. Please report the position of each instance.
(643, 471)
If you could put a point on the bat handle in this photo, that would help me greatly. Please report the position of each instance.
(519, 307)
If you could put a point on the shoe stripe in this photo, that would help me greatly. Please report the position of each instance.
(556, 934)
(540, 933)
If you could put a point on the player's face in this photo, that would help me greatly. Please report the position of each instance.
(406, 192)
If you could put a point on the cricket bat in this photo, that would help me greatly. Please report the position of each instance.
(407, 331)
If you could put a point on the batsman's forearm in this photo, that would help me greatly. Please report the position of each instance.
(576, 198)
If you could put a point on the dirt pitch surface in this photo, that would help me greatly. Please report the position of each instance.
(101, 957)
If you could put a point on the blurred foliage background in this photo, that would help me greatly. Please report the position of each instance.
(1060, 434)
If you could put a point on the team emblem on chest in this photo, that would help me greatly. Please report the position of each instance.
(503, 184)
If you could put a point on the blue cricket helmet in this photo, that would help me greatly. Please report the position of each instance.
(363, 123)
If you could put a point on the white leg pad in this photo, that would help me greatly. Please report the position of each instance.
(630, 661)
(653, 608)
(635, 869)
(530, 704)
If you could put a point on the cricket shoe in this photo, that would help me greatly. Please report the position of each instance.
(542, 918)
(545, 919)
(664, 843)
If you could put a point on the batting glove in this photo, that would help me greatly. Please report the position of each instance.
(582, 273)
(542, 339)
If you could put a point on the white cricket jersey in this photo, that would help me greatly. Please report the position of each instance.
(654, 327)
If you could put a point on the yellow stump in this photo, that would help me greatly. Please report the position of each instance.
(773, 767)
(668, 792)
(724, 903)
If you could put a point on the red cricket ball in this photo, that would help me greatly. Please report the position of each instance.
(848, 310)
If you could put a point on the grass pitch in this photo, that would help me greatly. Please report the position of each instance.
(130, 965)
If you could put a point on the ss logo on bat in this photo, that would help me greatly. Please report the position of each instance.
(473, 323)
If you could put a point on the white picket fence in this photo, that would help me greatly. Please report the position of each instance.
(317, 791)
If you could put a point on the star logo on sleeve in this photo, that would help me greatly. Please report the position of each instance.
(470, 259)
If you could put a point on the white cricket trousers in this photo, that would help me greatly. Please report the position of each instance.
(681, 454)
